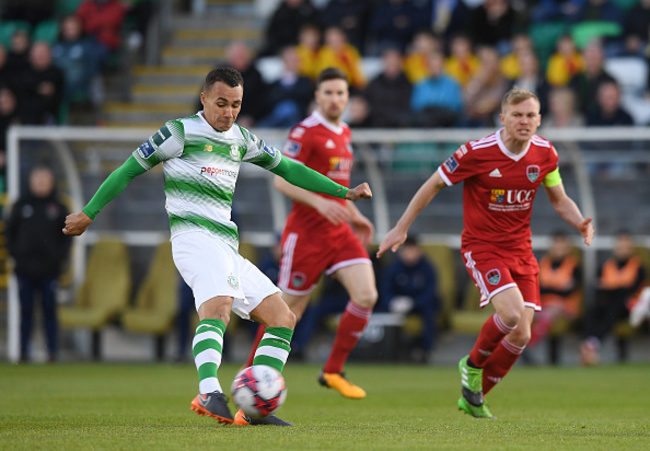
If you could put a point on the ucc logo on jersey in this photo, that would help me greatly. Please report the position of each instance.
(340, 164)
(234, 152)
(493, 276)
(532, 172)
(512, 196)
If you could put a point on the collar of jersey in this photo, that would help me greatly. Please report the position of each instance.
(321, 119)
(506, 152)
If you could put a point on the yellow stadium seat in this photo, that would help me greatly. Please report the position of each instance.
(156, 302)
(103, 294)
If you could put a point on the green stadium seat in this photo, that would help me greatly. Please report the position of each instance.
(47, 31)
(8, 28)
(67, 7)
(625, 5)
(544, 36)
(585, 32)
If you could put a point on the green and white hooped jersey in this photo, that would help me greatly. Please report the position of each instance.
(201, 166)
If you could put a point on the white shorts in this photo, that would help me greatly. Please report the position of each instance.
(213, 268)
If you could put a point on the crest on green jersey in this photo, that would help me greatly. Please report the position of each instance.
(234, 152)
(233, 281)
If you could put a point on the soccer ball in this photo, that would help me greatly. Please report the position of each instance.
(258, 390)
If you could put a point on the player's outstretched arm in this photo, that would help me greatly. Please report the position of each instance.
(306, 178)
(397, 235)
(77, 223)
(569, 211)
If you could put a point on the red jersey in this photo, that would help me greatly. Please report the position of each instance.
(499, 189)
(325, 148)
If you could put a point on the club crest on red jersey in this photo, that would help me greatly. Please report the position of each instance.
(532, 172)
(297, 279)
(493, 276)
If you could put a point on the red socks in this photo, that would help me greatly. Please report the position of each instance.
(353, 322)
(499, 364)
(493, 330)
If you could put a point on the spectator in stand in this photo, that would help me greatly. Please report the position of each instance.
(586, 83)
(18, 55)
(565, 63)
(40, 87)
(103, 19)
(77, 56)
(6, 75)
(408, 285)
(337, 52)
(395, 22)
(357, 115)
(286, 22)
(39, 250)
(562, 110)
(483, 94)
(448, 17)
(461, 64)
(437, 101)
(254, 106)
(492, 24)
(351, 16)
(289, 96)
(521, 44)
(636, 28)
(609, 112)
(308, 49)
(531, 78)
(389, 93)
(415, 62)
(560, 288)
(620, 281)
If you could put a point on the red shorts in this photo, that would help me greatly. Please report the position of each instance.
(494, 271)
(306, 256)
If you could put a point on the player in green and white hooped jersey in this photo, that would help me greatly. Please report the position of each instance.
(201, 157)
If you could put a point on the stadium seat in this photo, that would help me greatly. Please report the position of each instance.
(443, 259)
(585, 32)
(544, 36)
(471, 317)
(66, 7)
(103, 294)
(47, 31)
(8, 28)
(630, 72)
(156, 302)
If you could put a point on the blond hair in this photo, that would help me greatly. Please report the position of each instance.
(517, 95)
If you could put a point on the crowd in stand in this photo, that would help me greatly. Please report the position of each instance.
(52, 59)
(448, 63)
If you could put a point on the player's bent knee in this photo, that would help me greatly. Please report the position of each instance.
(367, 299)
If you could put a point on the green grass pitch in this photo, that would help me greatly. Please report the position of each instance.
(141, 406)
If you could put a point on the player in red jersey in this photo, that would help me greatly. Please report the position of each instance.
(501, 173)
(323, 234)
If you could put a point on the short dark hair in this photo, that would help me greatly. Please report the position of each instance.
(331, 73)
(224, 74)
